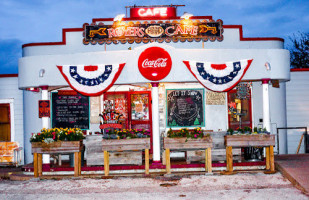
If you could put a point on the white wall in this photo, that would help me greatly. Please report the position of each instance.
(33, 124)
(297, 106)
(277, 101)
(9, 92)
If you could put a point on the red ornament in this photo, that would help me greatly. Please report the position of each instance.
(154, 63)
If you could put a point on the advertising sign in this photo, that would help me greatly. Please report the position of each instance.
(44, 108)
(162, 12)
(145, 32)
(185, 108)
(154, 63)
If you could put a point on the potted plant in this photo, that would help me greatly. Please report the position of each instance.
(57, 141)
(185, 139)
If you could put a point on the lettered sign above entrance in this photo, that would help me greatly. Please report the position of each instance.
(154, 63)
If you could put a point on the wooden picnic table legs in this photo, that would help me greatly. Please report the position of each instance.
(270, 161)
(106, 162)
(77, 163)
(147, 161)
(229, 162)
(37, 164)
(208, 161)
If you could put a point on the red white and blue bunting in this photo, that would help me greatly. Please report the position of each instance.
(91, 80)
(219, 77)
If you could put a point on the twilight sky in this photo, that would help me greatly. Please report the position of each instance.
(28, 21)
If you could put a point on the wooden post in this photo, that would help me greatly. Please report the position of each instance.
(146, 161)
(106, 163)
(209, 162)
(76, 164)
(79, 163)
(271, 159)
(229, 158)
(267, 158)
(229, 161)
(35, 165)
(40, 159)
(206, 160)
(168, 161)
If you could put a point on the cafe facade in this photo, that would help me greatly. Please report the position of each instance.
(158, 70)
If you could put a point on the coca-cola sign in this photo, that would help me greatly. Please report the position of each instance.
(154, 63)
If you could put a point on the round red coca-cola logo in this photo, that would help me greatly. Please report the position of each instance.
(155, 63)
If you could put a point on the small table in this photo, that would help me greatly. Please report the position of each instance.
(59, 147)
(188, 144)
(256, 140)
(136, 144)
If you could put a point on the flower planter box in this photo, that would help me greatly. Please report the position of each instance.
(204, 143)
(59, 147)
(131, 145)
(261, 140)
(217, 151)
(256, 140)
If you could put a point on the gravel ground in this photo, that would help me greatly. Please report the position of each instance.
(239, 186)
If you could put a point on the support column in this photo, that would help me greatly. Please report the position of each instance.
(45, 121)
(266, 112)
(156, 157)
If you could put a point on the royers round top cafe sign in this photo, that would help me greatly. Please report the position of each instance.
(154, 63)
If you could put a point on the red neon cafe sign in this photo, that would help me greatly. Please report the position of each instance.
(144, 12)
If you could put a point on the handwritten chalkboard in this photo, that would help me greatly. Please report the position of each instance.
(185, 107)
(70, 110)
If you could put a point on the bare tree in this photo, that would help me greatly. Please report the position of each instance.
(300, 50)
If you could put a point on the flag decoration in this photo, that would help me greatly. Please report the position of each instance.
(219, 77)
(92, 80)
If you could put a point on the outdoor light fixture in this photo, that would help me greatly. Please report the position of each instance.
(267, 66)
(186, 15)
(119, 17)
(42, 72)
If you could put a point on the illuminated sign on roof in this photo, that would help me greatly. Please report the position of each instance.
(161, 12)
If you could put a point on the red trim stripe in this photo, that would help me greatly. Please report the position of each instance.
(8, 75)
(300, 70)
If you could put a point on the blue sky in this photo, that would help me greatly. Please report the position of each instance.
(27, 21)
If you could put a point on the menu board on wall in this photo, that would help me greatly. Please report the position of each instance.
(70, 110)
(185, 108)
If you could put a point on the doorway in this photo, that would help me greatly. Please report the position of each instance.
(5, 122)
(239, 109)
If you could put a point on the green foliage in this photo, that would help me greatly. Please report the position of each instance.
(126, 134)
(57, 134)
(184, 132)
(300, 50)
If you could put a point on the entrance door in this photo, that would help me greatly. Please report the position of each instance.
(135, 107)
(239, 110)
(5, 122)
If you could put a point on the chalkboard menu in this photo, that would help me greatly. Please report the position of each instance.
(70, 110)
(185, 107)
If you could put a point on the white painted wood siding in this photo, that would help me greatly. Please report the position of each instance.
(297, 103)
(9, 90)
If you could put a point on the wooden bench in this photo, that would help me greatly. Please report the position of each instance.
(257, 140)
(204, 143)
(131, 145)
(10, 154)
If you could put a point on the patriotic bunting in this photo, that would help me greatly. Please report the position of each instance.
(219, 77)
(91, 80)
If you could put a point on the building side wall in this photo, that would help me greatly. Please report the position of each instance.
(297, 106)
(9, 91)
